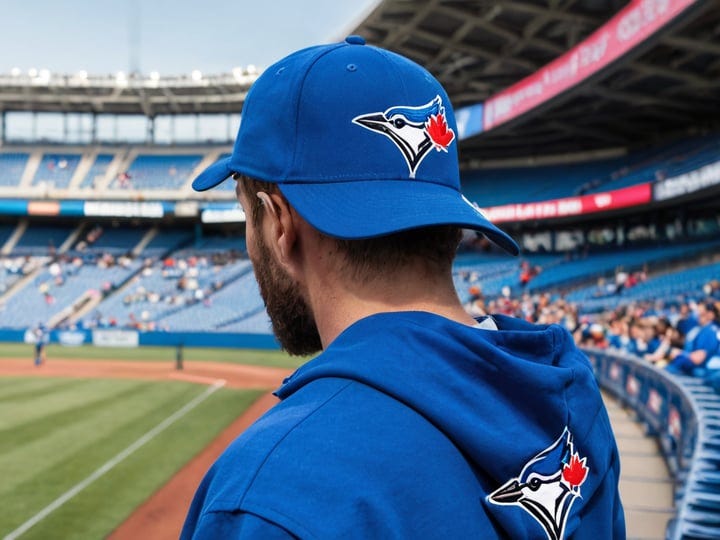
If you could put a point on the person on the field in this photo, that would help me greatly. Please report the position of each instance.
(41, 338)
(416, 420)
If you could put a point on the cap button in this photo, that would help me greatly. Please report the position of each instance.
(355, 40)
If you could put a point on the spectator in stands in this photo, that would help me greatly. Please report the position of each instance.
(476, 303)
(621, 278)
(638, 344)
(655, 330)
(416, 420)
(592, 335)
(712, 289)
(670, 339)
(687, 321)
(700, 345)
(525, 275)
(619, 334)
(124, 180)
(528, 272)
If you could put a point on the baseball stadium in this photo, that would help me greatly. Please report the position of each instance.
(134, 341)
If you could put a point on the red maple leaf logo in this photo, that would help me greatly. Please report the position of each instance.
(575, 472)
(439, 133)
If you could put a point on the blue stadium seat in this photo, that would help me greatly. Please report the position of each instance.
(56, 170)
(12, 167)
(149, 172)
(97, 171)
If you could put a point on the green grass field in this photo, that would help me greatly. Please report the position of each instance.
(238, 356)
(55, 432)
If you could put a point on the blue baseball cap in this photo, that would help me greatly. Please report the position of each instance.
(361, 141)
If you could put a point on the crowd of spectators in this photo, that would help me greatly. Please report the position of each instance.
(682, 337)
(67, 266)
(185, 281)
(622, 281)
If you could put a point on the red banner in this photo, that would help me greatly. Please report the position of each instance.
(630, 27)
(571, 206)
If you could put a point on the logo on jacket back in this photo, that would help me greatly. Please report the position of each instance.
(547, 486)
(414, 130)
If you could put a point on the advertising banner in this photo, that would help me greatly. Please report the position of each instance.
(571, 206)
(124, 209)
(234, 215)
(630, 27)
(684, 184)
(71, 338)
(469, 120)
(115, 338)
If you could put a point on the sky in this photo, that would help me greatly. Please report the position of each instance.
(171, 37)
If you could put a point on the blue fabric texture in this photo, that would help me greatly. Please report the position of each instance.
(360, 140)
(706, 340)
(413, 426)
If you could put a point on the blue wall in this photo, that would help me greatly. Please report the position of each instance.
(169, 339)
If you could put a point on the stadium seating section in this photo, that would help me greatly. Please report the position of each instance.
(147, 170)
(151, 277)
(97, 172)
(12, 167)
(174, 280)
(539, 183)
(56, 170)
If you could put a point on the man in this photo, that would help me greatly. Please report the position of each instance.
(416, 421)
(701, 343)
(41, 338)
(687, 320)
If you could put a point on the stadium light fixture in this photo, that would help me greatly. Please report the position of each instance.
(251, 69)
(196, 75)
(32, 72)
(153, 79)
(82, 74)
(15, 72)
(44, 75)
(121, 79)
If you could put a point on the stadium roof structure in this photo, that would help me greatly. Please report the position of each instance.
(670, 84)
(120, 94)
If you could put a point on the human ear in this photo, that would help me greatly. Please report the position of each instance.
(283, 229)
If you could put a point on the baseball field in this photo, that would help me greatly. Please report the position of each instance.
(91, 435)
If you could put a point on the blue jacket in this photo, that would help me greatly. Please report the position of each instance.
(410, 425)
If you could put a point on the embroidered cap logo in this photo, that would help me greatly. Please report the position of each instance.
(414, 130)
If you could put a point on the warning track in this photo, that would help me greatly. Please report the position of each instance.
(236, 375)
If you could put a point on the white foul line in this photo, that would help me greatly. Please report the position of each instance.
(109, 465)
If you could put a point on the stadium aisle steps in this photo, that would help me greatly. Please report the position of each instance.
(646, 487)
(30, 169)
(83, 167)
(12, 240)
(118, 164)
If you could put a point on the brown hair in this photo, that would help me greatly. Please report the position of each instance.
(434, 247)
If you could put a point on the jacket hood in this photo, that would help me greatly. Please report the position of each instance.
(518, 398)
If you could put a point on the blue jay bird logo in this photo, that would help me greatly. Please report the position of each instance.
(547, 486)
(414, 130)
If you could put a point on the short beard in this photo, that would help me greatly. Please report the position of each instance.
(292, 319)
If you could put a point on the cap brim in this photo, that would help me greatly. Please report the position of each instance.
(214, 175)
(366, 209)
